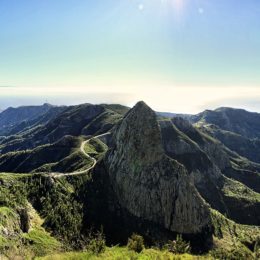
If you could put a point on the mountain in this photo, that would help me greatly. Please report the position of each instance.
(69, 172)
(85, 119)
(171, 115)
(238, 129)
(13, 117)
(147, 184)
(238, 121)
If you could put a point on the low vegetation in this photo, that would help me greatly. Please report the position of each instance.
(96, 243)
(178, 246)
(136, 243)
(123, 253)
(233, 241)
(95, 148)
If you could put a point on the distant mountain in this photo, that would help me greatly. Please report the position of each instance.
(85, 119)
(12, 120)
(238, 121)
(55, 136)
(238, 129)
(171, 115)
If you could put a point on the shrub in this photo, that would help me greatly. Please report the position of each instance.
(178, 246)
(136, 243)
(234, 254)
(257, 249)
(96, 243)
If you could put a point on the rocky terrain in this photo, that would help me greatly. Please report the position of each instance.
(155, 175)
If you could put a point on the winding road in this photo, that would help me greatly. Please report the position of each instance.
(60, 175)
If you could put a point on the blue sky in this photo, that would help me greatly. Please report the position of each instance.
(177, 55)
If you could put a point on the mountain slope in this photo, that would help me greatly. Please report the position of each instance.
(237, 129)
(238, 121)
(206, 161)
(78, 120)
(11, 117)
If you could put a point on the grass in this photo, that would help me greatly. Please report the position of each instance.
(9, 221)
(13, 242)
(95, 148)
(41, 242)
(13, 176)
(229, 235)
(236, 189)
(122, 253)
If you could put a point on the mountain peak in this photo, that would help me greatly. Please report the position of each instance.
(223, 109)
(141, 106)
(141, 134)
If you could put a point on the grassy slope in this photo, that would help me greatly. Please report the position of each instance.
(30, 160)
(95, 148)
(13, 241)
(230, 236)
(122, 253)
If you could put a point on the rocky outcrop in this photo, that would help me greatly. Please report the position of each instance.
(147, 183)
(24, 220)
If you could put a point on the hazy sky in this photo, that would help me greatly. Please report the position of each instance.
(177, 55)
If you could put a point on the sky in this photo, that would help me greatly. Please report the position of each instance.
(176, 55)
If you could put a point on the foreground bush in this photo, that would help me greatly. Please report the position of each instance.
(96, 243)
(178, 246)
(136, 243)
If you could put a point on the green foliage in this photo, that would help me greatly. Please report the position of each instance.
(257, 249)
(233, 240)
(178, 246)
(136, 243)
(95, 148)
(41, 242)
(12, 195)
(96, 243)
(239, 191)
(9, 220)
(57, 203)
(233, 254)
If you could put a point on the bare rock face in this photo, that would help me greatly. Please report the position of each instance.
(24, 220)
(147, 183)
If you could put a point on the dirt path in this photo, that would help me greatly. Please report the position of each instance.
(60, 174)
(94, 161)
